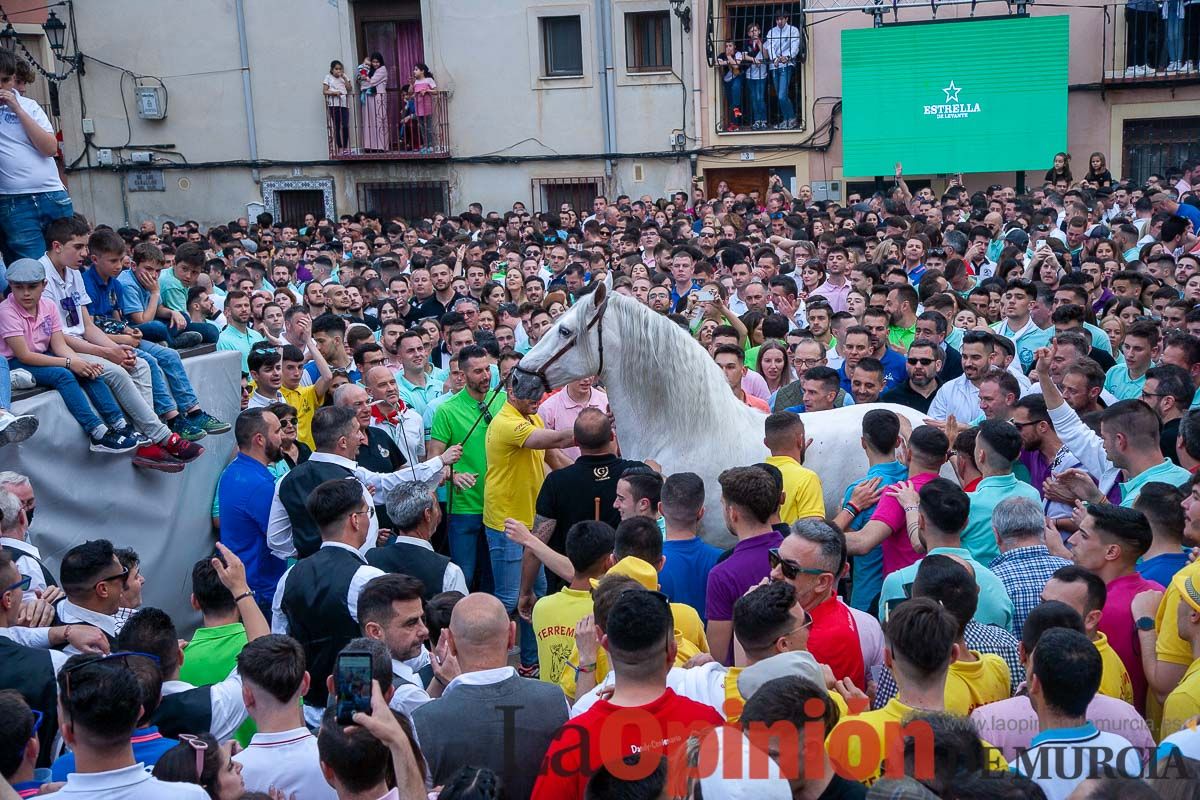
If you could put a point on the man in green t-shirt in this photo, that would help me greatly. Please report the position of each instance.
(463, 419)
(211, 655)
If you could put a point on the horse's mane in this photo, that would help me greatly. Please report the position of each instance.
(651, 344)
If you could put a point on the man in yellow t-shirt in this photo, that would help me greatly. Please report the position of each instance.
(305, 399)
(920, 646)
(589, 547)
(1183, 702)
(802, 494)
(1085, 592)
(519, 448)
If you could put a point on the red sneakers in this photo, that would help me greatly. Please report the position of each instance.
(181, 448)
(169, 456)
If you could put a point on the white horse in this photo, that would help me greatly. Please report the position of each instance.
(671, 402)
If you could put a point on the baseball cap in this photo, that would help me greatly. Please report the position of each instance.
(26, 270)
(1018, 237)
(800, 664)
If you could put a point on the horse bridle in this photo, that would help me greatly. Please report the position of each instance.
(596, 322)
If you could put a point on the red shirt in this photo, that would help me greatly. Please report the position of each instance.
(564, 777)
(833, 640)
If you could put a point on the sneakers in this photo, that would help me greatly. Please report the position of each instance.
(182, 341)
(15, 429)
(208, 423)
(155, 456)
(181, 449)
(128, 432)
(529, 671)
(114, 442)
(187, 428)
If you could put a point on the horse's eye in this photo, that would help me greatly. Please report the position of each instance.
(565, 332)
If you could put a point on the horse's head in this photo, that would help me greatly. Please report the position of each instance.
(570, 350)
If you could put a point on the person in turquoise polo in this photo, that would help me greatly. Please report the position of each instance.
(1125, 381)
(1017, 325)
(939, 512)
(996, 448)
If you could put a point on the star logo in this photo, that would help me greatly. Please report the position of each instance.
(952, 92)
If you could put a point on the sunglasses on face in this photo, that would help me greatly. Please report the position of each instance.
(287, 423)
(22, 584)
(790, 569)
(924, 362)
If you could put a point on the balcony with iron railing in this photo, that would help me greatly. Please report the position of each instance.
(1141, 48)
(389, 126)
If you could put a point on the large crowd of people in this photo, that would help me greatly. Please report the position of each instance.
(1003, 604)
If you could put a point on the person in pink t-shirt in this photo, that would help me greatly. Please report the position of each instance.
(1109, 542)
(924, 454)
(1011, 724)
(560, 410)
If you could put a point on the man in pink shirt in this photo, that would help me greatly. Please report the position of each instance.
(926, 451)
(1011, 724)
(1109, 542)
(836, 288)
(560, 409)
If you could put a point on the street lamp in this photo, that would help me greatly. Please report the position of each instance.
(8, 39)
(684, 12)
(56, 32)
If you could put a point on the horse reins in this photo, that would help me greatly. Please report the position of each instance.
(596, 322)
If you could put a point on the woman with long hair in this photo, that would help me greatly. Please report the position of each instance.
(493, 294)
(375, 133)
(773, 365)
(336, 89)
(514, 286)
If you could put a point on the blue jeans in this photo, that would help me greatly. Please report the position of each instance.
(76, 394)
(158, 331)
(733, 98)
(758, 99)
(462, 533)
(172, 388)
(781, 77)
(207, 330)
(5, 386)
(506, 570)
(22, 218)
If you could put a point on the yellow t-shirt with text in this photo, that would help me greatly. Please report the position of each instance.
(554, 619)
(802, 493)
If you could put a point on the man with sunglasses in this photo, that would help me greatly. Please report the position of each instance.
(93, 579)
(20, 743)
(924, 364)
(812, 558)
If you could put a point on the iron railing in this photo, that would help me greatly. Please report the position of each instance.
(753, 94)
(560, 194)
(389, 126)
(410, 200)
(1140, 47)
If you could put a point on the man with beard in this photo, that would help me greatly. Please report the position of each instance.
(244, 495)
(960, 397)
(1042, 451)
(876, 321)
(924, 363)
(901, 307)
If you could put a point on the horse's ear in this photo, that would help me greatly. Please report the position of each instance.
(599, 294)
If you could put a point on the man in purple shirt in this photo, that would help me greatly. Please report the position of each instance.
(1011, 724)
(749, 496)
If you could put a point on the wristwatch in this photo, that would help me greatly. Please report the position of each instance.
(1145, 623)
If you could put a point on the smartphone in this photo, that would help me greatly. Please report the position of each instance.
(706, 297)
(352, 683)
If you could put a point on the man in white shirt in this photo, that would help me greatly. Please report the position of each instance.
(390, 610)
(1069, 749)
(93, 579)
(960, 397)
(30, 189)
(782, 45)
(283, 753)
(100, 701)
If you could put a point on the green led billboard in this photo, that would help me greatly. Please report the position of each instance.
(987, 95)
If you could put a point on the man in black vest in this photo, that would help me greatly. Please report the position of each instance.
(583, 491)
(219, 708)
(14, 539)
(392, 612)
(512, 719)
(317, 599)
(380, 453)
(415, 513)
(93, 578)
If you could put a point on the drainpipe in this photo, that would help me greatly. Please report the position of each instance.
(608, 97)
(699, 73)
(247, 94)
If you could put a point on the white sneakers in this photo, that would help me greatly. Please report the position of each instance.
(15, 429)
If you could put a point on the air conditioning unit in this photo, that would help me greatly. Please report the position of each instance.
(827, 190)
